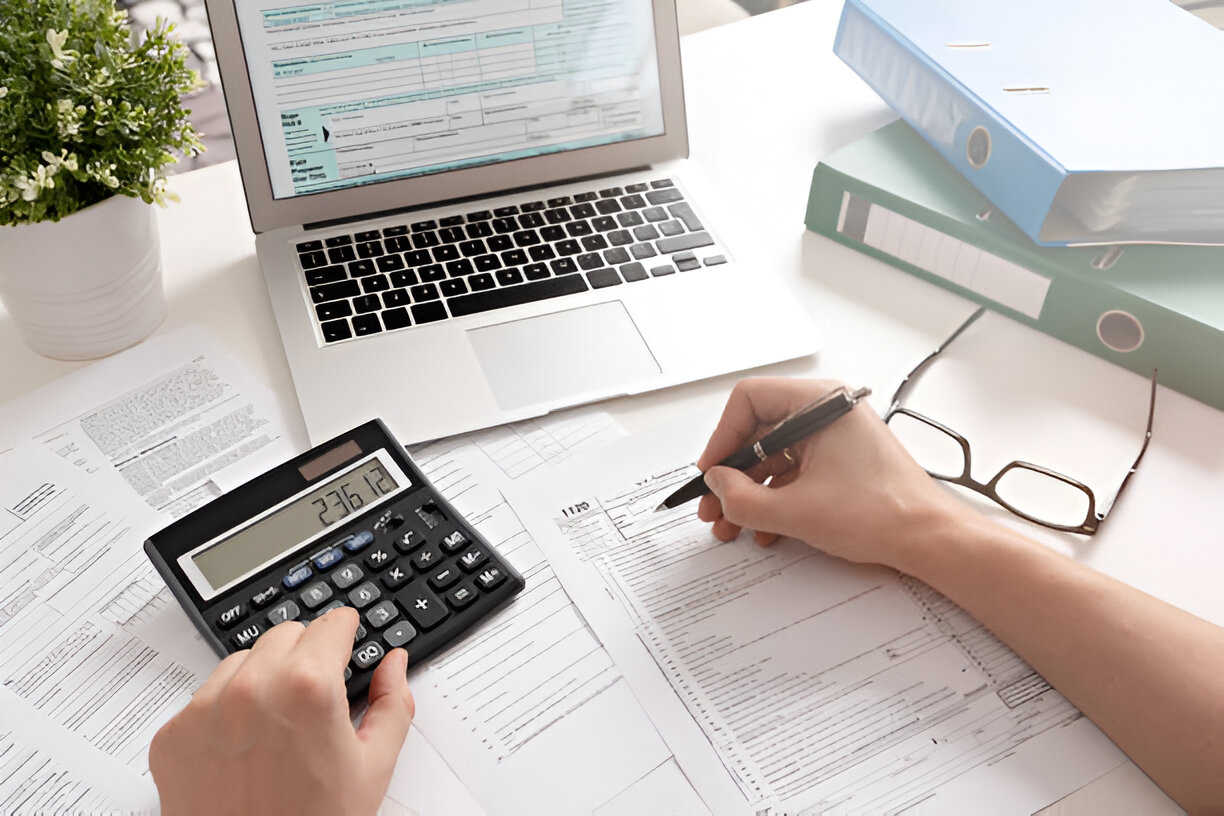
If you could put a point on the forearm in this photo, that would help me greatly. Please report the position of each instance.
(1151, 676)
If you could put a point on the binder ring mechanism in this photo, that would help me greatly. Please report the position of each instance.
(977, 147)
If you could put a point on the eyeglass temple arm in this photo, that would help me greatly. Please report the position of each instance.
(918, 369)
(1147, 437)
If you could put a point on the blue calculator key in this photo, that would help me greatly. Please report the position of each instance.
(328, 558)
(284, 611)
(246, 636)
(298, 575)
(316, 595)
(367, 654)
(358, 541)
(231, 616)
(265, 596)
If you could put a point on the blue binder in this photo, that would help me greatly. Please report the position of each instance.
(1084, 121)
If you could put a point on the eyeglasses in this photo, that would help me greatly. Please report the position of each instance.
(1038, 494)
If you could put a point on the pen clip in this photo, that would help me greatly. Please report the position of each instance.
(851, 398)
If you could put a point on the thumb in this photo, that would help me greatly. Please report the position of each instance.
(744, 502)
(385, 725)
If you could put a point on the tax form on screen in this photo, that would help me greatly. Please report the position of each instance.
(365, 91)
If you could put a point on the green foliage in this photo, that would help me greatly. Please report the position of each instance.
(86, 111)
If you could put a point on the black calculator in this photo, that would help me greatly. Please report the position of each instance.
(352, 522)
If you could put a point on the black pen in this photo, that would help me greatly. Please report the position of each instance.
(799, 425)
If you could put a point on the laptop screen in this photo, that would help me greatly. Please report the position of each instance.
(363, 91)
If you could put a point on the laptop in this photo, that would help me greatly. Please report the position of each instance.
(471, 212)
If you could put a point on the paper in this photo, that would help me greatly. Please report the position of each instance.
(529, 709)
(793, 682)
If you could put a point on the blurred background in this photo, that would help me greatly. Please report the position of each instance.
(208, 105)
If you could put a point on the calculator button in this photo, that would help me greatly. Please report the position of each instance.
(261, 599)
(367, 654)
(431, 514)
(283, 611)
(348, 674)
(328, 558)
(388, 521)
(423, 607)
(358, 541)
(427, 558)
(455, 542)
(444, 578)
(378, 559)
(347, 575)
(399, 633)
(490, 577)
(381, 614)
(246, 636)
(364, 595)
(315, 595)
(472, 559)
(461, 596)
(360, 633)
(396, 577)
(409, 541)
(297, 576)
(231, 616)
(318, 613)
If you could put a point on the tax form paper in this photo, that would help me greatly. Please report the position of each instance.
(790, 682)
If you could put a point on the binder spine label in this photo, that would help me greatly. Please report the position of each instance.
(983, 273)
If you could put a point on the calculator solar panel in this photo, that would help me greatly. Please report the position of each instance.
(353, 523)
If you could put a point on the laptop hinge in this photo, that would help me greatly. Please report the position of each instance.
(335, 222)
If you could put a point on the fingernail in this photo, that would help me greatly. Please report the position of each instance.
(714, 480)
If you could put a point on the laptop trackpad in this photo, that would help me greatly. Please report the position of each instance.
(560, 355)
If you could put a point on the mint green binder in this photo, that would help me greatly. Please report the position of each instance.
(1142, 306)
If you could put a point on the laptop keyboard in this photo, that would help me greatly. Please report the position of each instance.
(395, 277)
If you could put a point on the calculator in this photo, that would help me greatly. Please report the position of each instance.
(352, 522)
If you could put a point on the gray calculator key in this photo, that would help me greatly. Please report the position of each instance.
(347, 575)
(381, 614)
(284, 611)
(367, 654)
(364, 595)
(360, 633)
(318, 613)
(399, 633)
(316, 595)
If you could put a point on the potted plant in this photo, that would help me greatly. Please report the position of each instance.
(90, 118)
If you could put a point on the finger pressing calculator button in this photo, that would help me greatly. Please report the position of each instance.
(409, 541)
(231, 616)
(246, 636)
(490, 577)
(381, 614)
(424, 608)
(379, 559)
(298, 575)
(328, 558)
(472, 559)
(455, 542)
(396, 577)
(399, 633)
(444, 577)
(461, 596)
(316, 595)
(347, 575)
(261, 599)
(367, 654)
(364, 595)
(427, 558)
(358, 541)
(283, 611)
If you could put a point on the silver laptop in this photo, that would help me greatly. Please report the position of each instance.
(476, 211)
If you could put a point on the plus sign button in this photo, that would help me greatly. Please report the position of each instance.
(423, 608)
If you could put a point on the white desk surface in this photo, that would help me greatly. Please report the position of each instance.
(766, 99)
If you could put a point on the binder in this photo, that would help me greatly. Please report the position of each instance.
(891, 196)
(1086, 122)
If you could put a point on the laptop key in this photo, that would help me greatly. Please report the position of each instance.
(366, 324)
(396, 297)
(654, 214)
(432, 272)
(334, 330)
(445, 252)
(333, 310)
(338, 240)
(633, 202)
(313, 260)
(516, 295)
(581, 211)
(616, 256)
(481, 281)
(429, 312)
(451, 221)
(334, 291)
(401, 229)
(487, 263)
(585, 196)
(601, 278)
(715, 260)
(532, 206)
(509, 277)
(424, 240)
(328, 274)
(543, 252)
(514, 257)
(452, 287)
(309, 246)
(398, 243)
(568, 247)
(531, 220)
(687, 264)
(643, 251)
(375, 283)
(629, 219)
(607, 206)
(504, 226)
(396, 318)
(671, 228)
(557, 215)
(592, 243)
(480, 229)
(664, 269)
(502, 212)
(524, 238)
(472, 248)
(662, 183)
(577, 229)
(603, 223)
(418, 257)
(646, 232)
(633, 272)
(665, 196)
(636, 188)
(424, 226)
(684, 211)
(424, 292)
(405, 278)
(536, 271)
(590, 260)
(341, 254)
(552, 233)
(366, 304)
(479, 215)
(451, 235)
(369, 249)
(611, 192)
(563, 266)
(390, 263)
(500, 243)
(561, 201)
(361, 268)
(679, 243)
(620, 237)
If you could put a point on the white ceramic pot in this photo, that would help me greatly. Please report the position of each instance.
(87, 285)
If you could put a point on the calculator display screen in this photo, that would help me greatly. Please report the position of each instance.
(299, 519)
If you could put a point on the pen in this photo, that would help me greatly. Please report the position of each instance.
(799, 425)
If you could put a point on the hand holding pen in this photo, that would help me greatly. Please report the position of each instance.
(797, 426)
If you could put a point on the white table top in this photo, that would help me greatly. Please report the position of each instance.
(766, 99)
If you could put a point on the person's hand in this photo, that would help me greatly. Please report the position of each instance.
(269, 731)
(855, 492)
